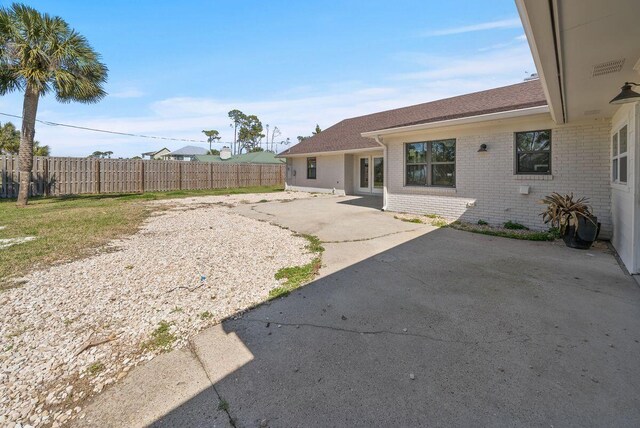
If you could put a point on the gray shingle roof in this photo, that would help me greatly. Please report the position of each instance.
(189, 151)
(345, 135)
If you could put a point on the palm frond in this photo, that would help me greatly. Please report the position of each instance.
(45, 53)
(563, 211)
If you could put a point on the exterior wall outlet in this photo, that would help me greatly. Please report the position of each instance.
(524, 190)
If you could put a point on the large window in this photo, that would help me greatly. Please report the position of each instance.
(619, 156)
(533, 152)
(311, 168)
(432, 163)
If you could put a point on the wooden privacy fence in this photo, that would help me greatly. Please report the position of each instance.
(57, 176)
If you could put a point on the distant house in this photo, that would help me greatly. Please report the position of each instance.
(186, 153)
(254, 158)
(157, 154)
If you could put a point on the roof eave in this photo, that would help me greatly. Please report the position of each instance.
(328, 152)
(538, 21)
(459, 121)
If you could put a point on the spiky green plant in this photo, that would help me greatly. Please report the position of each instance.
(40, 54)
(563, 211)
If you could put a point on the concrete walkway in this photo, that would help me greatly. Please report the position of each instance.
(408, 326)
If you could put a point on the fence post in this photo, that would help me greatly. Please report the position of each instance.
(260, 175)
(180, 175)
(96, 167)
(45, 176)
(141, 176)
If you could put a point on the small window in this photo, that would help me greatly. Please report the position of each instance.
(619, 156)
(311, 168)
(533, 152)
(432, 163)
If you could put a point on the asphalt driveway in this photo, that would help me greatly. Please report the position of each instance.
(425, 327)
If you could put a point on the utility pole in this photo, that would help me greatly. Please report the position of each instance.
(276, 133)
(235, 133)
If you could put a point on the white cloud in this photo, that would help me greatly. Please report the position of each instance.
(296, 111)
(484, 26)
(503, 62)
(513, 42)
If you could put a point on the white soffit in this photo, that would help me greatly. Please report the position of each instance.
(598, 46)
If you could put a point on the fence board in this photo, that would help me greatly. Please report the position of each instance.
(58, 176)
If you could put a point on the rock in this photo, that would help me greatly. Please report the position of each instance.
(264, 423)
(412, 376)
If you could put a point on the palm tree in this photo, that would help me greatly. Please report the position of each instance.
(41, 54)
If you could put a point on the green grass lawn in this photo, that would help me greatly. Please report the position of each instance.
(69, 227)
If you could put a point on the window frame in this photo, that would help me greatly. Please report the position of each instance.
(314, 168)
(616, 156)
(429, 163)
(516, 163)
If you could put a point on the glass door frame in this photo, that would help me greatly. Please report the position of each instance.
(370, 187)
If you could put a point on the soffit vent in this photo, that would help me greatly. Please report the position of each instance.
(591, 112)
(607, 67)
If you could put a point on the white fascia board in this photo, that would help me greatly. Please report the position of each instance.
(460, 121)
(329, 153)
(543, 51)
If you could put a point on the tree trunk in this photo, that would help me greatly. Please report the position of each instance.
(25, 155)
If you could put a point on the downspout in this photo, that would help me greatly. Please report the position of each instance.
(385, 168)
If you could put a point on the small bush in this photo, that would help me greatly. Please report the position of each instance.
(206, 315)
(296, 276)
(95, 368)
(524, 235)
(439, 222)
(482, 223)
(410, 220)
(314, 245)
(223, 405)
(161, 338)
(511, 225)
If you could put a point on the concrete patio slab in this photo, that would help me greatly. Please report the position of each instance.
(352, 228)
(149, 394)
(424, 327)
(449, 329)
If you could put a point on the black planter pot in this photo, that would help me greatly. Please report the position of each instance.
(585, 236)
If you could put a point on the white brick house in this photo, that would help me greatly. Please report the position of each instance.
(493, 155)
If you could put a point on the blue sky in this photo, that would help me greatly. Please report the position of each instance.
(176, 68)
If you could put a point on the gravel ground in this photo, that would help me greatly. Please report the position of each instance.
(192, 264)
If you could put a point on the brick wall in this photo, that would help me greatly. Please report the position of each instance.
(488, 189)
(329, 173)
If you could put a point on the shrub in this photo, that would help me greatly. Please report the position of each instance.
(482, 223)
(161, 338)
(514, 226)
(563, 211)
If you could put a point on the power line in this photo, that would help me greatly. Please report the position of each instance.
(108, 132)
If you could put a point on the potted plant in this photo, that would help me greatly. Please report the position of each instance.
(578, 227)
